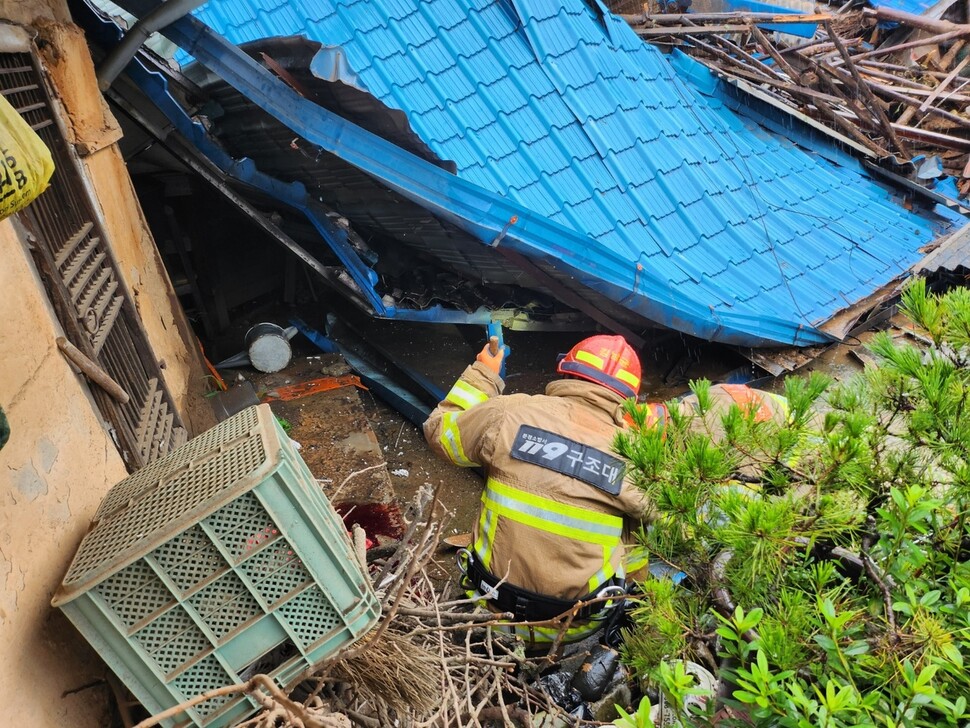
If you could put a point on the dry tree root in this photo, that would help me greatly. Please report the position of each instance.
(277, 706)
(430, 663)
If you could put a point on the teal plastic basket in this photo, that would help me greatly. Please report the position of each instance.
(219, 561)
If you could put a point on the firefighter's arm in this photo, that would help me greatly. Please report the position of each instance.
(457, 427)
(635, 504)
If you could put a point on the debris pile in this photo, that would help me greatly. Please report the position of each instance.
(431, 661)
(892, 84)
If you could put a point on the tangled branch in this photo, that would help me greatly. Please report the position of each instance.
(430, 662)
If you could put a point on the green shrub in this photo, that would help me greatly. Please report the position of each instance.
(828, 558)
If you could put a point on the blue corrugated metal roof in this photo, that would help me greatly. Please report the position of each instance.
(561, 109)
(916, 7)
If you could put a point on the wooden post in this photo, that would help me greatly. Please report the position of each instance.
(92, 371)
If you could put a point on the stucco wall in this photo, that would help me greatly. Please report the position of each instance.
(53, 472)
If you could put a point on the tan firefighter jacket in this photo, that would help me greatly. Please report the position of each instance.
(556, 504)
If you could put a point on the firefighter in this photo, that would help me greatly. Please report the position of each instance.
(556, 506)
(762, 405)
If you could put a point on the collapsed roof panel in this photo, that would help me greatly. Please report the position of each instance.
(622, 175)
(917, 7)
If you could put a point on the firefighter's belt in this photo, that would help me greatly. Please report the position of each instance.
(529, 606)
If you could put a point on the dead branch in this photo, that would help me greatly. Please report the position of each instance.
(464, 617)
(297, 715)
(92, 370)
(353, 475)
(874, 106)
(428, 664)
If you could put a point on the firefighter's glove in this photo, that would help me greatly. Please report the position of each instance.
(492, 361)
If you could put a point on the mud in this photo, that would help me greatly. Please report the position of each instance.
(331, 428)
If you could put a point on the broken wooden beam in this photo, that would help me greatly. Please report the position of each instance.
(943, 84)
(883, 76)
(812, 46)
(867, 63)
(759, 64)
(822, 104)
(920, 22)
(748, 75)
(933, 137)
(932, 40)
(770, 49)
(874, 105)
(826, 111)
(742, 18)
(677, 30)
(896, 95)
(835, 85)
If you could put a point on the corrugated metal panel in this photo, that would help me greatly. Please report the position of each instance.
(570, 115)
(953, 252)
(916, 7)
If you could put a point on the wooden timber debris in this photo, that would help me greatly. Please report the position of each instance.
(893, 84)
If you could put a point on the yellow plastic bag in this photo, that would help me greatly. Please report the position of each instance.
(26, 165)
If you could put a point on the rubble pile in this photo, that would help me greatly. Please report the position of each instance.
(432, 660)
(892, 84)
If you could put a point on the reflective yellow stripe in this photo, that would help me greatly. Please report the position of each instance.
(782, 401)
(544, 514)
(543, 523)
(464, 395)
(547, 635)
(748, 490)
(636, 558)
(572, 516)
(591, 359)
(632, 379)
(606, 573)
(807, 442)
(486, 535)
(451, 440)
(551, 521)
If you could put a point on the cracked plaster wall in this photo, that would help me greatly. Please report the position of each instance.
(55, 469)
(60, 460)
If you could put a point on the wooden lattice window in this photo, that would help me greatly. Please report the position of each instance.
(82, 280)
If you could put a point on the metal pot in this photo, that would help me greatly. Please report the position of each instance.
(268, 347)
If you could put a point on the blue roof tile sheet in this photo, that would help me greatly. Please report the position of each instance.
(916, 7)
(558, 106)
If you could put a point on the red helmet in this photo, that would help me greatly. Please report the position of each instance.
(606, 360)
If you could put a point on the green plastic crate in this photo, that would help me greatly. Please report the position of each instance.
(220, 560)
